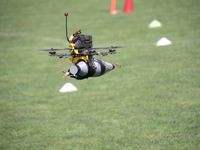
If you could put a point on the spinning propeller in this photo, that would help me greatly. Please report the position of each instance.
(52, 49)
(88, 51)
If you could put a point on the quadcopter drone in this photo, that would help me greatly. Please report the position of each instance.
(81, 53)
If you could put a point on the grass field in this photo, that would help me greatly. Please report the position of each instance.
(151, 102)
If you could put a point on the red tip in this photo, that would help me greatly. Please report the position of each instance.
(66, 14)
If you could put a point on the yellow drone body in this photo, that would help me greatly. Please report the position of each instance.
(76, 59)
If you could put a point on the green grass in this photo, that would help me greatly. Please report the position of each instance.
(151, 102)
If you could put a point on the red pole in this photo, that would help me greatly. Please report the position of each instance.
(113, 7)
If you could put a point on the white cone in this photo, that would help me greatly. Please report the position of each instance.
(163, 42)
(68, 87)
(155, 24)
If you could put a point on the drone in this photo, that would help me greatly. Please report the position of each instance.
(81, 54)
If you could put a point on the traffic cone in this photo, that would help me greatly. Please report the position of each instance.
(68, 87)
(128, 7)
(113, 10)
(163, 42)
(155, 24)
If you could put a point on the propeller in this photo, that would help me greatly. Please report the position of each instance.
(112, 47)
(54, 49)
(112, 50)
(84, 51)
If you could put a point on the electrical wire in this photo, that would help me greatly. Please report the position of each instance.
(63, 63)
(104, 62)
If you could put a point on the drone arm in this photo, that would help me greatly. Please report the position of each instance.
(59, 55)
(66, 54)
(105, 53)
(62, 55)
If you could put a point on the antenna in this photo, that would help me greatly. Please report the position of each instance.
(66, 14)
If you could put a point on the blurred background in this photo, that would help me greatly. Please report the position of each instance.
(151, 102)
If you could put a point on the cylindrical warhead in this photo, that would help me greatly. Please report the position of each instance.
(101, 67)
(80, 69)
